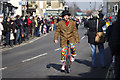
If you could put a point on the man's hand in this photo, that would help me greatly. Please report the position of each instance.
(56, 41)
(11, 22)
(77, 42)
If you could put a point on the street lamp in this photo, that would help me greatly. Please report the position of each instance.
(90, 6)
(27, 10)
(4, 9)
(12, 9)
(9, 8)
(63, 3)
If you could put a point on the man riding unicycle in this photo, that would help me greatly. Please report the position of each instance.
(68, 32)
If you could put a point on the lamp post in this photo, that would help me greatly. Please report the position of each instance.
(27, 7)
(90, 6)
(4, 9)
(9, 6)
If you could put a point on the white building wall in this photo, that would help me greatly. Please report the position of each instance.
(40, 4)
(16, 4)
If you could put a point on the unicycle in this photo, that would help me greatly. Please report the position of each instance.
(68, 58)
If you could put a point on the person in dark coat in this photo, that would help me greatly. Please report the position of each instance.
(18, 33)
(48, 25)
(42, 25)
(113, 38)
(26, 27)
(33, 25)
(7, 30)
(38, 29)
(91, 24)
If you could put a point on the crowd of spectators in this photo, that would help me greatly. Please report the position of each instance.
(19, 29)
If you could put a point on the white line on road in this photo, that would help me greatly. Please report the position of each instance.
(57, 49)
(3, 68)
(82, 37)
(34, 57)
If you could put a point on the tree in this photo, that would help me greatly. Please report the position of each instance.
(73, 9)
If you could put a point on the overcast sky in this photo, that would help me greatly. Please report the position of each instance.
(85, 5)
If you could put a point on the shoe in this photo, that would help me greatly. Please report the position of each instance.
(72, 58)
(62, 61)
(63, 67)
(103, 67)
(74, 55)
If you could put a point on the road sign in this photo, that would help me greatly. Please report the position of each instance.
(22, 3)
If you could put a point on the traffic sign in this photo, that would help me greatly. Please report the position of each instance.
(22, 3)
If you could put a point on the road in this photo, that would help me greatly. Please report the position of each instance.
(41, 59)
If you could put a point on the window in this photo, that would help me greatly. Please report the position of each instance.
(33, 2)
(48, 4)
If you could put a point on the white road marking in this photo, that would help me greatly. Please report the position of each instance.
(82, 37)
(34, 57)
(57, 49)
(3, 68)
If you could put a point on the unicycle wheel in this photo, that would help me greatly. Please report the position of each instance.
(68, 64)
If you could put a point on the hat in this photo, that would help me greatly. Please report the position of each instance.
(65, 13)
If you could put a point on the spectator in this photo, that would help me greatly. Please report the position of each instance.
(113, 37)
(92, 25)
(18, 35)
(77, 23)
(52, 23)
(22, 29)
(55, 23)
(36, 27)
(26, 27)
(48, 25)
(29, 26)
(42, 25)
(33, 26)
(13, 32)
(8, 28)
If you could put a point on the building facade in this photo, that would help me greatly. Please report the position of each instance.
(47, 8)
(39, 7)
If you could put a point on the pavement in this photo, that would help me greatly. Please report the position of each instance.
(40, 58)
